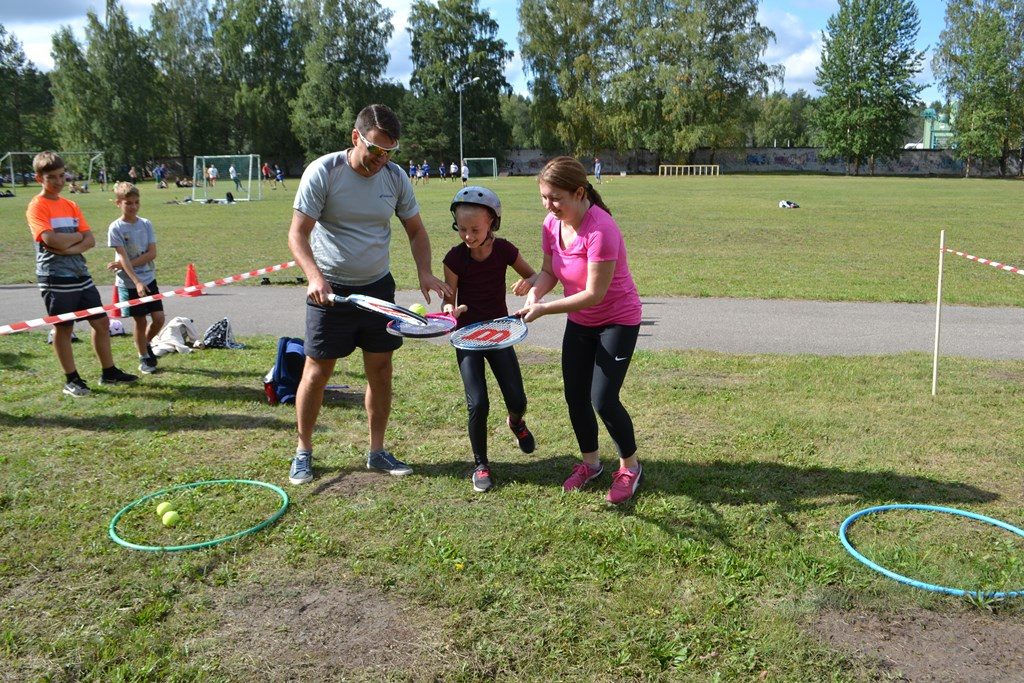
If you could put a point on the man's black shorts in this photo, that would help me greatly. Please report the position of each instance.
(336, 331)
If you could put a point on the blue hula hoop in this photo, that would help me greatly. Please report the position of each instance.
(920, 584)
(205, 544)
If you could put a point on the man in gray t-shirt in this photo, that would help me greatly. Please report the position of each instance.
(340, 236)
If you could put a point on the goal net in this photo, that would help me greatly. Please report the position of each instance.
(482, 167)
(238, 174)
(85, 169)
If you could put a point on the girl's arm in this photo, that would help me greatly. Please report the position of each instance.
(449, 304)
(527, 276)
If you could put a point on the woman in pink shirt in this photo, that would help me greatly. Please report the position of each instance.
(585, 252)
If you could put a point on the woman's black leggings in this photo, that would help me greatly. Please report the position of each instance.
(505, 366)
(594, 364)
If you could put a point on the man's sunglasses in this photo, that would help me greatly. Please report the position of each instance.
(376, 150)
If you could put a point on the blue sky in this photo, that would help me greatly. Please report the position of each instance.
(797, 24)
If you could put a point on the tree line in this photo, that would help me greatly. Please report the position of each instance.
(285, 79)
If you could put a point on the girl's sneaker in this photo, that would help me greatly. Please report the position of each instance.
(482, 481)
(624, 484)
(582, 473)
(526, 441)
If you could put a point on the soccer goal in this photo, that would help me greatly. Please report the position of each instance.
(86, 169)
(482, 167)
(238, 174)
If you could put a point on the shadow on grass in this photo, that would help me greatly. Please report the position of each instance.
(152, 423)
(14, 361)
(788, 488)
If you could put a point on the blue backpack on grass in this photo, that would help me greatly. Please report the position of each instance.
(282, 382)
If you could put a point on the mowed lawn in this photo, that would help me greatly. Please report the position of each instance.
(726, 567)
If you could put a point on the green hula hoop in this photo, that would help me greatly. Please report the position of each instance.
(205, 544)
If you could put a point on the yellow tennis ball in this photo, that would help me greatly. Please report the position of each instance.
(164, 507)
(418, 309)
(170, 518)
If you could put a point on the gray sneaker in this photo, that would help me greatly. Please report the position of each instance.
(77, 388)
(302, 469)
(385, 462)
(147, 365)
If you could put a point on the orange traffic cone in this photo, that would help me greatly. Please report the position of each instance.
(192, 281)
(116, 313)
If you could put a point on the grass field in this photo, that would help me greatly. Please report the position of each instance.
(853, 239)
(726, 567)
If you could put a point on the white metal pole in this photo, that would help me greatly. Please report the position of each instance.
(938, 313)
(461, 162)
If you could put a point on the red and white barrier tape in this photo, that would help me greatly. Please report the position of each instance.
(78, 315)
(987, 262)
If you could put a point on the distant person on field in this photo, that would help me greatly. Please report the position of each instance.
(265, 170)
(134, 243)
(233, 174)
(133, 175)
(340, 235)
(426, 172)
(442, 169)
(61, 237)
(465, 173)
(453, 171)
(597, 170)
(279, 177)
(212, 174)
(475, 271)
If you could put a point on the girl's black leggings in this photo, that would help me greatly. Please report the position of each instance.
(594, 365)
(505, 366)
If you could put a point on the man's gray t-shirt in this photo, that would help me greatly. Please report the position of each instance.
(352, 237)
(135, 238)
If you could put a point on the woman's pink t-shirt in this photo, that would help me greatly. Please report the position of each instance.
(598, 239)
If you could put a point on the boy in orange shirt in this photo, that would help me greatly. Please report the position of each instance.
(62, 236)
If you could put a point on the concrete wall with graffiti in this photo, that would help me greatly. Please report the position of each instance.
(911, 162)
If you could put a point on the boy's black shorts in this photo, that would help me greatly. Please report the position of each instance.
(70, 294)
(142, 310)
(336, 331)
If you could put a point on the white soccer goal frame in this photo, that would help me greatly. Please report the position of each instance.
(494, 165)
(92, 159)
(248, 171)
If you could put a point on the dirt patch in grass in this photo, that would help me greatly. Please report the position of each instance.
(326, 633)
(351, 484)
(920, 645)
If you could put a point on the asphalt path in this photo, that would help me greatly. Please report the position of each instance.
(742, 326)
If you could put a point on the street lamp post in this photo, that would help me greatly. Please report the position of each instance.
(459, 87)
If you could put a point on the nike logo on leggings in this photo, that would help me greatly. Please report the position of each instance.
(617, 358)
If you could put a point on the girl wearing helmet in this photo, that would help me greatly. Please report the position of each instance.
(475, 271)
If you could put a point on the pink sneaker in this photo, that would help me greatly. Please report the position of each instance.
(624, 485)
(581, 474)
